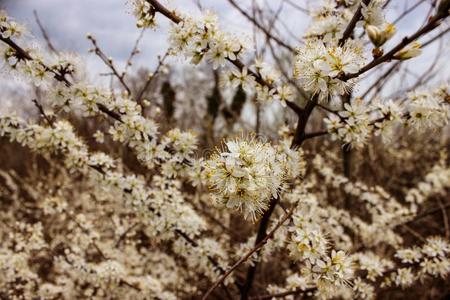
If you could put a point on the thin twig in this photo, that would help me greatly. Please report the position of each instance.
(442, 33)
(109, 63)
(298, 7)
(379, 81)
(407, 11)
(133, 53)
(44, 33)
(262, 28)
(425, 214)
(42, 112)
(237, 63)
(250, 253)
(151, 77)
(124, 234)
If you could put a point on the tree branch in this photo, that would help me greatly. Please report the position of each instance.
(299, 135)
(250, 253)
(351, 26)
(237, 63)
(262, 28)
(44, 33)
(109, 63)
(432, 24)
(259, 237)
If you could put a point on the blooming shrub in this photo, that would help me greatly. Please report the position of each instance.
(108, 195)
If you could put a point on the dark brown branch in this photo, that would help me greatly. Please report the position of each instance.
(299, 135)
(164, 11)
(20, 53)
(391, 71)
(432, 24)
(264, 223)
(250, 253)
(351, 26)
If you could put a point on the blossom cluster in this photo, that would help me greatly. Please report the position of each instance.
(385, 210)
(436, 181)
(9, 28)
(329, 21)
(162, 208)
(247, 175)
(430, 260)
(319, 66)
(144, 13)
(129, 126)
(328, 269)
(201, 39)
(421, 110)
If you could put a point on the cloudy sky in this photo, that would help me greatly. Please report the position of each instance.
(112, 23)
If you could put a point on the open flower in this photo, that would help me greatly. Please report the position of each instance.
(247, 175)
(318, 67)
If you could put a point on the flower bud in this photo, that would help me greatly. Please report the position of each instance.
(406, 53)
(374, 35)
(379, 37)
(389, 31)
(197, 57)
